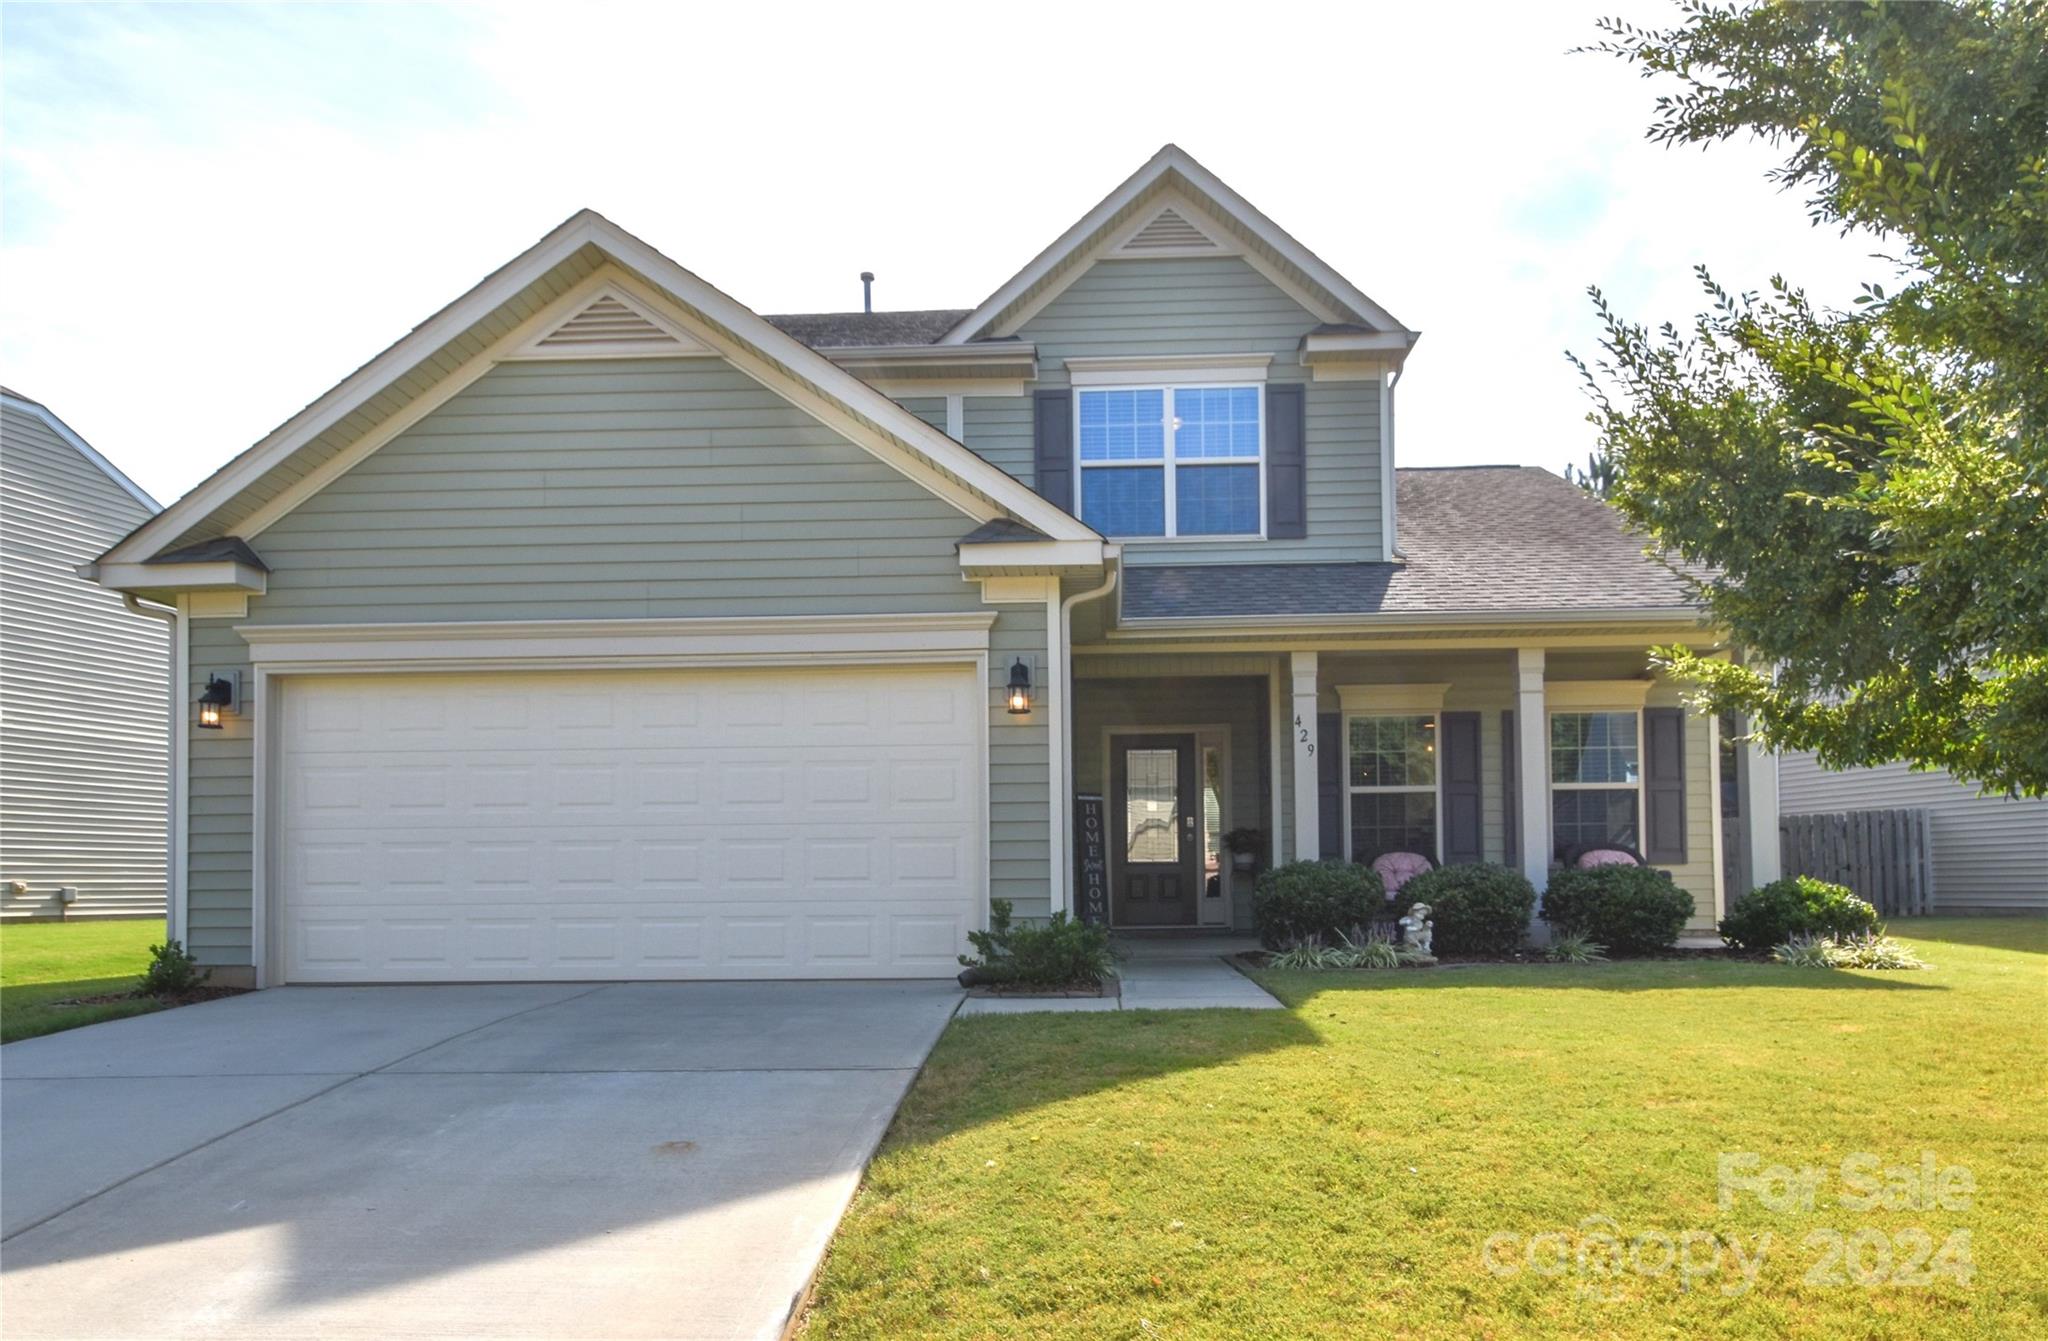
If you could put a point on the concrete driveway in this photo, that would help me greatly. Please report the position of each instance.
(634, 1160)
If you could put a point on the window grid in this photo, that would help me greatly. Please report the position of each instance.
(1596, 779)
(1192, 429)
(1390, 785)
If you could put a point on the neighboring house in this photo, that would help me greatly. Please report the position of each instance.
(604, 628)
(1990, 852)
(83, 685)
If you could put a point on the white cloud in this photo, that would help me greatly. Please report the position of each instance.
(213, 215)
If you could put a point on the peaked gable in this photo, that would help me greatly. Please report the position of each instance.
(1202, 206)
(554, 284)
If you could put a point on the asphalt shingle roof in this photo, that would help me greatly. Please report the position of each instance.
(219, 548)
(1478, 539)
(846, 330)
(1002, 530)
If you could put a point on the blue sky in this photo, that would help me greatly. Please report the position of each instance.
(211, 214)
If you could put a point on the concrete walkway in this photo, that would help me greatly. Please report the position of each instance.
(1161, 973)
(635, 1160)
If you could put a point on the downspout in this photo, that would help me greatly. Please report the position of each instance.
(1389, 490)
(1064, 674)
(174, 766)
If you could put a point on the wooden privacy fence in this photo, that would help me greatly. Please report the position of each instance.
(1885, 856)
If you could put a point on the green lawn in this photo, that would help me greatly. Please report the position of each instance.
(1338, 1170)
(42, 963)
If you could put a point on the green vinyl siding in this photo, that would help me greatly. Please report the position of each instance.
(601, 489)
(1221, 305)
(931, 409)
(1020, 781)
(606, 489)
(219, 806)
(998, 428)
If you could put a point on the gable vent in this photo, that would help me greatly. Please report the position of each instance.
(606, 322)
(610, 328)
(1168, 231)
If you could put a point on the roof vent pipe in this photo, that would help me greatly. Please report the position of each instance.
(867, 291)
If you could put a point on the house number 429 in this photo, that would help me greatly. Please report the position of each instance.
(1302, 736)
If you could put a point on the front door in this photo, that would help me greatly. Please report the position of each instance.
(1155, 831)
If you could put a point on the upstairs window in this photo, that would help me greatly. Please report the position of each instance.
(1171, 461)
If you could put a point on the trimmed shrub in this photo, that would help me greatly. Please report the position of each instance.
(1313, 900)
(1628, 909)
(1478, 910)
(1774, 913)
(1059, 952)
(171, 972)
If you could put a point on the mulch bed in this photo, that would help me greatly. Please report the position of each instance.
(1107, 987)
(1258, 958)
(191, 998)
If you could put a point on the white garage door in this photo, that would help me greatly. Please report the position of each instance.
(659, 824)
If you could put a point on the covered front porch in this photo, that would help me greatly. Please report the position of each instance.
(1211, 762)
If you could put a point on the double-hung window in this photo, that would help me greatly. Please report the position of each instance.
(1596, 779)
(1390, 769)
(1171, 461)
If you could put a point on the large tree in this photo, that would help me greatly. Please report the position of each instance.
(1862, 495)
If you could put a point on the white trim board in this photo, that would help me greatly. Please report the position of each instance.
(745, 339)
(1168, 370)
(765, 640)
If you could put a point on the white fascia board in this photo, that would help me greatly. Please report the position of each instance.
(762, 640)
(220, 575)
(1210, 191)
(588, 228)
(1009, 557)
(82, 447)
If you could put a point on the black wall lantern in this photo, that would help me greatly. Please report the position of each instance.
(1019, 696)
(218, 696)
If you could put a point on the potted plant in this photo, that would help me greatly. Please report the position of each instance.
(1245, 847)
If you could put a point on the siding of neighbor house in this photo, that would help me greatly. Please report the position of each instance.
(1990, 852)
(83, 687)
(608, 489)
(1210, 305)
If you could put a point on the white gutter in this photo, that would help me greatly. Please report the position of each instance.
(174, 790)
(1063, 670)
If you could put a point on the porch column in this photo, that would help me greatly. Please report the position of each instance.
(1759, 783)
(1308, 839)
(1532, 766)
